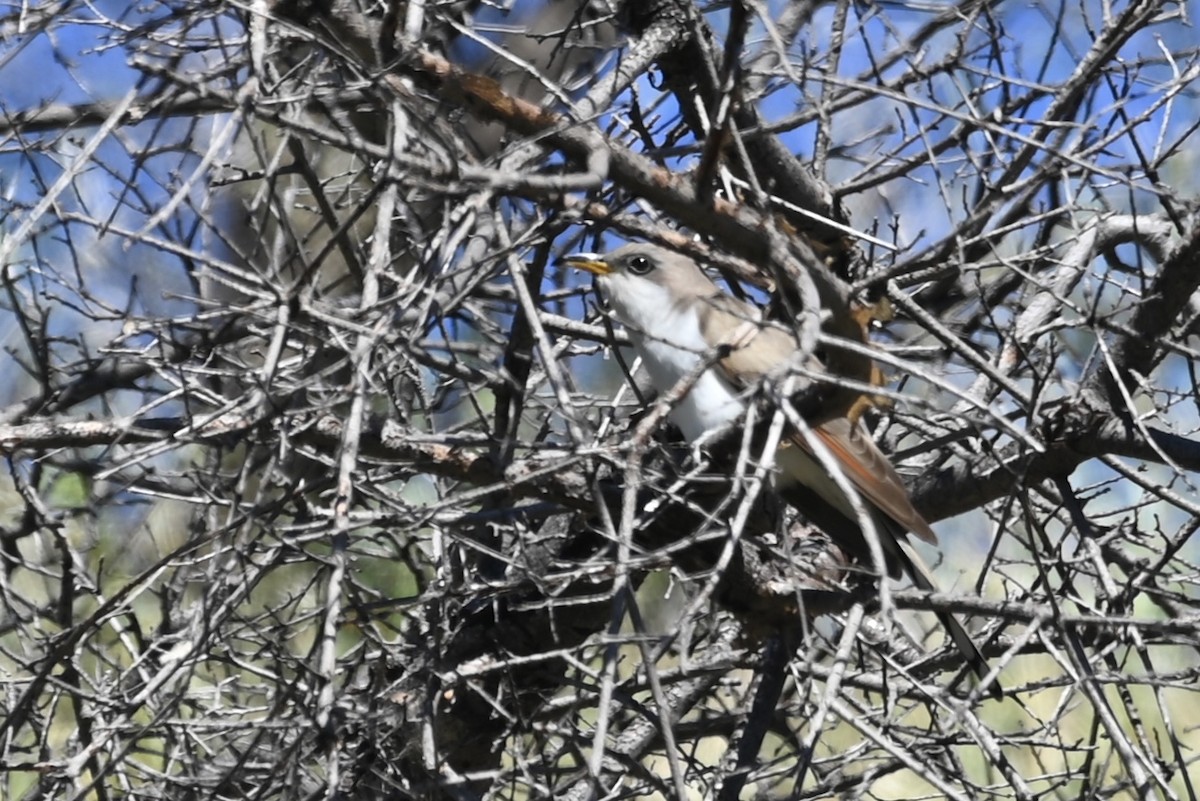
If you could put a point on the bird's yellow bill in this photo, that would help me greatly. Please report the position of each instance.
(591, 262)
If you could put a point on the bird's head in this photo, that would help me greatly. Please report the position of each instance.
(641, 281)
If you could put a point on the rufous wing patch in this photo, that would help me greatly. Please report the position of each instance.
(871, 473)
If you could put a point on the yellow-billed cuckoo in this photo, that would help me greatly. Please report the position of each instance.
(677, 318)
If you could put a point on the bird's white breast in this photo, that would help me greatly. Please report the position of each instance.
(667, 336)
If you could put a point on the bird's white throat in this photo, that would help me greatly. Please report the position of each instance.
(666, 334)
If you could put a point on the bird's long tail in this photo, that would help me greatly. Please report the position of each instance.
(915, 566)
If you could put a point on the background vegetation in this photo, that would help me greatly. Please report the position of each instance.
(323, 480)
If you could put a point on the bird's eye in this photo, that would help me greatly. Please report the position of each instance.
(640, 265)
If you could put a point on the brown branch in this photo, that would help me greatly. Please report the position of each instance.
(1074, 435)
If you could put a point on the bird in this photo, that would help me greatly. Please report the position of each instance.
(678, 319)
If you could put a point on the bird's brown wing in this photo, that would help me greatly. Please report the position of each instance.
(755, 348)
(870, 472)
